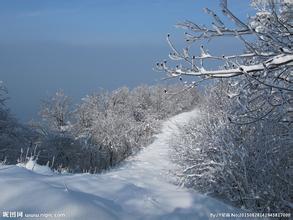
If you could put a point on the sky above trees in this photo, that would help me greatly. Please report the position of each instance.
(81, 46)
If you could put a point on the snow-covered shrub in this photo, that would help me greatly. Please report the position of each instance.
(120, 123)
(63, 149)
(240, 149)
(3, 162)
(100, 132)
(56, 112)
(32, 165)
(106, 127)
(248, 165)
(29, 160)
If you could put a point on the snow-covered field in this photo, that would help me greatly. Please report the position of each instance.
(139, 189)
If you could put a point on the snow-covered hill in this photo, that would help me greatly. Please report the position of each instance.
(140, 189)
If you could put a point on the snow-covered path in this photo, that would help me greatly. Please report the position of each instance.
(140, 189)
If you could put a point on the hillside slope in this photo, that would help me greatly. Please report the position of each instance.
(139, 189)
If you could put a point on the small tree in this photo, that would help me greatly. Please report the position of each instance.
(56, 112)
(56, 136)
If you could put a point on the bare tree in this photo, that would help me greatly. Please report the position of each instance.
(13, 135)
(261, 76)
(56, 112)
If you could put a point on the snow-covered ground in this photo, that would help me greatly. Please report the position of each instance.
(139, 189)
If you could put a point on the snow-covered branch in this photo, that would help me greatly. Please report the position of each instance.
(270, 64)
(264, 65)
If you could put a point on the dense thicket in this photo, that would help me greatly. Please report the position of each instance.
(247, 165)
(240, 149)
(101, 131)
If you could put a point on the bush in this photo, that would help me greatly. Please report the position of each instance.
(247, 165)
(105, 128)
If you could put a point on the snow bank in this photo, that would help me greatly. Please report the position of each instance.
(32, 165)
(140, 189)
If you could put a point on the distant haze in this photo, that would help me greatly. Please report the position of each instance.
(81, 46)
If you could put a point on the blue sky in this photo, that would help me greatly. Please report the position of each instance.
(83, 45)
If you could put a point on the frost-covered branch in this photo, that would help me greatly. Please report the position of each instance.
(270, 64)
(264, 67)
